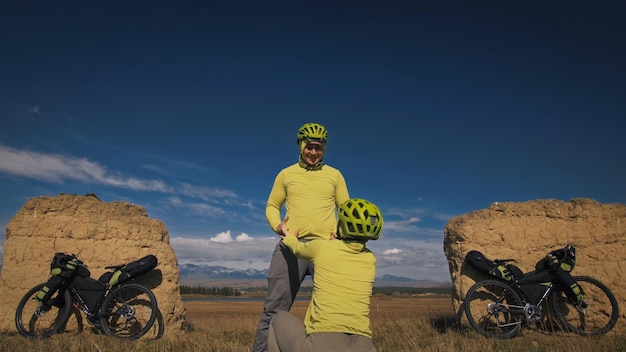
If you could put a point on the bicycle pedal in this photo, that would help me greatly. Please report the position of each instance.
(94, 321)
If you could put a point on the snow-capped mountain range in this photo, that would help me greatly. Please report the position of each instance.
(195, 274)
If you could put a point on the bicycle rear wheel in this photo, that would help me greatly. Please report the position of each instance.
(600, 315)
(33, 319)
(129, 311)
(494, 309)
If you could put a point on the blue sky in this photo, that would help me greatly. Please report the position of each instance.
(190, 108)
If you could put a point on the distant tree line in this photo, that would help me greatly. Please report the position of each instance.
(306, 290)
(211, 291)
(400, 291)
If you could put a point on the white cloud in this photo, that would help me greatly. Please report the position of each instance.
(244, 237)
(223, 237)
(198, 208)
(203, 209)
(226, 237)
(205, 193)
(35, 110)
(392, 251)
(56, 168)
(398, 226)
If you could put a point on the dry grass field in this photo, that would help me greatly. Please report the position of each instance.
(400, 324)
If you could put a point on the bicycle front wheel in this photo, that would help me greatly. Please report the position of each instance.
(34, 319)
(129, 311)
(596, 316)
(494, 309)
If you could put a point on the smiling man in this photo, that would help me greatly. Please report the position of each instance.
(311, 191)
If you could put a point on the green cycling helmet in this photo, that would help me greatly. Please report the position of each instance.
(312, 132)
(359, 219)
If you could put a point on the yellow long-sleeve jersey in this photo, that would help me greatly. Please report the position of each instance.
(310, 196)
(342, 285)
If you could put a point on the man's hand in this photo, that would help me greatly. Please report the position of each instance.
(282, 227)
(284, 231)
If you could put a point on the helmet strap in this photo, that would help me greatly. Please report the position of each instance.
(303, 163)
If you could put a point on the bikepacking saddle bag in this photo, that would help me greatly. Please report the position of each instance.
(507, 272)
(130, 270)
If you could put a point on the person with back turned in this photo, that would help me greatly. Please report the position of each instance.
(338, 316)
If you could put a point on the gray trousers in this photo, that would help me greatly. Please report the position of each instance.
(284, 277)
(287, 334)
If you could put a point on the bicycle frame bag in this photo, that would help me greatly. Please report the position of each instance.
(131, 270)
(505, 272)
(534, 284)
(90, 290)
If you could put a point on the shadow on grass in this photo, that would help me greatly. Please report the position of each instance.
(447, 323)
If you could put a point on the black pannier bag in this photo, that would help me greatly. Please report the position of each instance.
(130, 270)
(569, 286)
(478, 260)
(534, 284)
(47, 291)
(560, 263)
(90, 290)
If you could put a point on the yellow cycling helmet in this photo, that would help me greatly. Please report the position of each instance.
(359, 219)
(312, 132)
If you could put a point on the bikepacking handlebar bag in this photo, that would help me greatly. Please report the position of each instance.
(66, 266)
(507, 272)
(130, 270)
(563, 259)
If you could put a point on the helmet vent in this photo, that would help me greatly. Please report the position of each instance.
(359, 219)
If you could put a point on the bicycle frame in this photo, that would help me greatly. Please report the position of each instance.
(531, 312)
